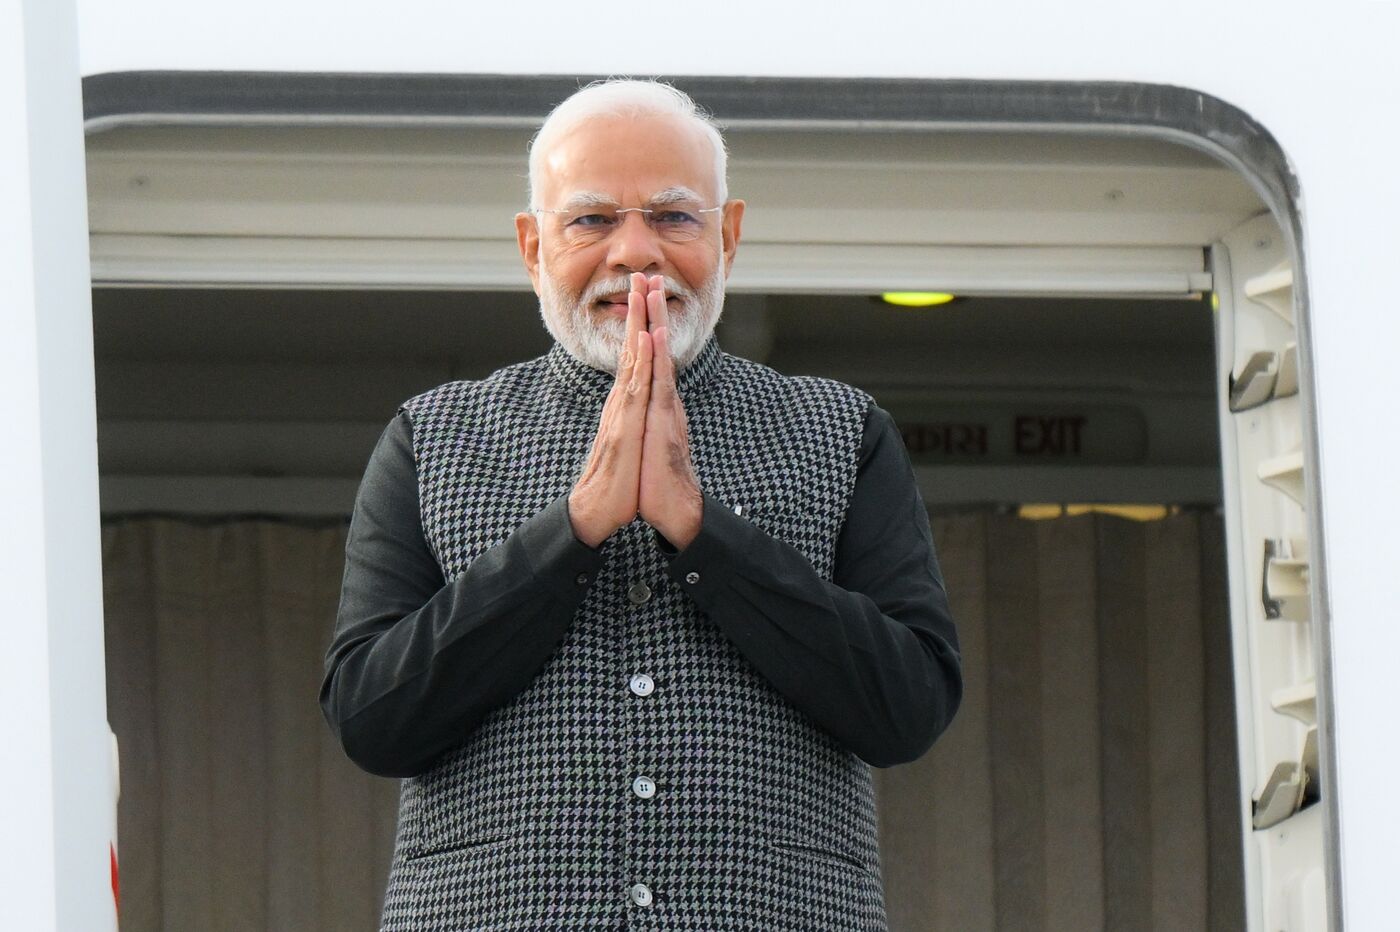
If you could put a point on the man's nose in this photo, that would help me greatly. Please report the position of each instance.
(634, 246)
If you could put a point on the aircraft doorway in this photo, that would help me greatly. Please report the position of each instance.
(1089, 777)
(264, 291)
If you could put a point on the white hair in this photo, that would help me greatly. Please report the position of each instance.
(626, 97)
(567, 317)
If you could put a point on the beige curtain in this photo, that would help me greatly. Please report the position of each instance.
(237, 810)
(1089, 781)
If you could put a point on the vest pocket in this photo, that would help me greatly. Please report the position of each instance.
(469, 848)
(796, 847)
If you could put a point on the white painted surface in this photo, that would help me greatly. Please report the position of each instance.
(56, 776)
(1321, 78)
(368, 263)
(26, 776)
(858, 211)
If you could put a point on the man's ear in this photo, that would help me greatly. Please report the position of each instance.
(527, 237)
(729, 232)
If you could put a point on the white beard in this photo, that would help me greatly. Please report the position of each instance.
(596, 338)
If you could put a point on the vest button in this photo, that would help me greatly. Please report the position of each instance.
(581, 579)
(644, 787)
(641, 894)
(692, 577)
(641, 684)
(639, 592)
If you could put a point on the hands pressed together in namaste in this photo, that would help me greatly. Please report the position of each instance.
(640, 461)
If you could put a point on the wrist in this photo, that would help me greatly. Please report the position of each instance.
(686, 527)
(587, 529)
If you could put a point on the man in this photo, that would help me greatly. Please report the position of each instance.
(633, 619)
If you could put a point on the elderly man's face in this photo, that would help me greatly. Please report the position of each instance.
(580, 263)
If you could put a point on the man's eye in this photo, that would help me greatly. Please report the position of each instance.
(675, 216)
(591, 220)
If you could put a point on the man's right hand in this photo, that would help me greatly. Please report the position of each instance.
(605, 496)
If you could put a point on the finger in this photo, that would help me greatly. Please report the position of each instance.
(656, 303)
(663, 366)
(626, 357)
(636, 323)
(639, 387)
(636, 308)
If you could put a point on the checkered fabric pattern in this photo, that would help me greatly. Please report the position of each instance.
(758, 820)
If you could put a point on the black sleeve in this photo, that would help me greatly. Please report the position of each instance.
(871, 656)
(415, 663)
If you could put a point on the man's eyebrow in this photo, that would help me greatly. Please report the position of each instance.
(589, 199)
(673, 195)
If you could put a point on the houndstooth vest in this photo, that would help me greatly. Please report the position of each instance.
(758, 819)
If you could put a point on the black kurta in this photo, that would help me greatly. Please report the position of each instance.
(881, 627)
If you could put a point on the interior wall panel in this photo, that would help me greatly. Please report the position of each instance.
(1123, 721)
(130, 633)
(936, 823)
(301, 569)
(1015, 737)
(1071, 746)
(185, 609)
(1225, 841)
(1176, 723)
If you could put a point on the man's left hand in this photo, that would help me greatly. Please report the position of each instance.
(669, 497)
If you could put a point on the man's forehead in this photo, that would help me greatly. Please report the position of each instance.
(648, 157)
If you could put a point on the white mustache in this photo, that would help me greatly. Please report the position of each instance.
(623, 284)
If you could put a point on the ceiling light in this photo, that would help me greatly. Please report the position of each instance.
(1134, 512)
(916, 298)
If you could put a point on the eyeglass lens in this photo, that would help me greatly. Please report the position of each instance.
(674, 222)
